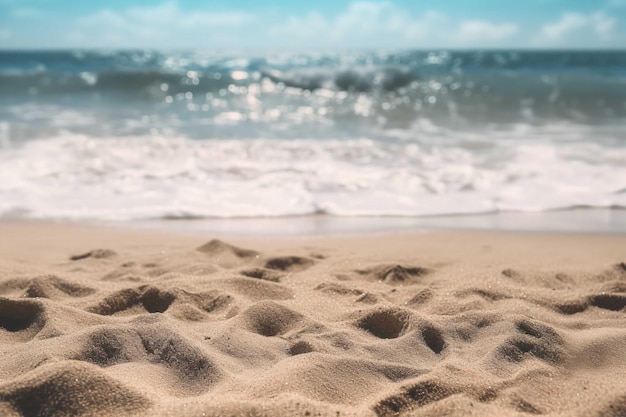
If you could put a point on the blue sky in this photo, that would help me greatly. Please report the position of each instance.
(323, 24)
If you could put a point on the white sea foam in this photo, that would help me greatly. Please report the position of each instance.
(155, 177)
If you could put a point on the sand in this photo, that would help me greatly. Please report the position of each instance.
(97, 321)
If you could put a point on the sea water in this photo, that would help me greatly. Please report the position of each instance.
(118, 135)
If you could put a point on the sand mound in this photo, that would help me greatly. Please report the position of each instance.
(224, 330)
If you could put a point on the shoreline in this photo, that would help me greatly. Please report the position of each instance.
(586, 221)
(44, 232)
(558, 221)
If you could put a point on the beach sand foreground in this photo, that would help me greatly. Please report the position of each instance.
(97, 321)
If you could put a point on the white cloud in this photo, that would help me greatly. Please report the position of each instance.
(103, 18)
(361, 19)
(598, 25)
(602, 24)
(483, 31)
(381, 24)
(361, 24)
(364, 18)
(165, 24)
(309, 26)
(568, 23)
(169, 14)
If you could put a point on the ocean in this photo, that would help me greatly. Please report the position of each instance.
(129, 135)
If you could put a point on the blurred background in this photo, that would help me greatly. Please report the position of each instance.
(126, 110)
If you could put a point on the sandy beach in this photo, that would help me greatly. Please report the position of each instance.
(102, 321)
(336, 208)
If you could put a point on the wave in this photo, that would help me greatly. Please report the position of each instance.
(138, 82)
(397, 93)
(136, 135)
(363, 80)
(399, 99)
(141, 178)
(445, 87)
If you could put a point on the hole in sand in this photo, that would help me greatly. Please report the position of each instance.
(16, 316)
(151, 299)
(300, 348)
(155, 301)
(271, 319)
(289, 263)
(434, 339)
(611, 302)
(384, 324)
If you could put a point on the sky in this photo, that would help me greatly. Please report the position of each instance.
(318, 25)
